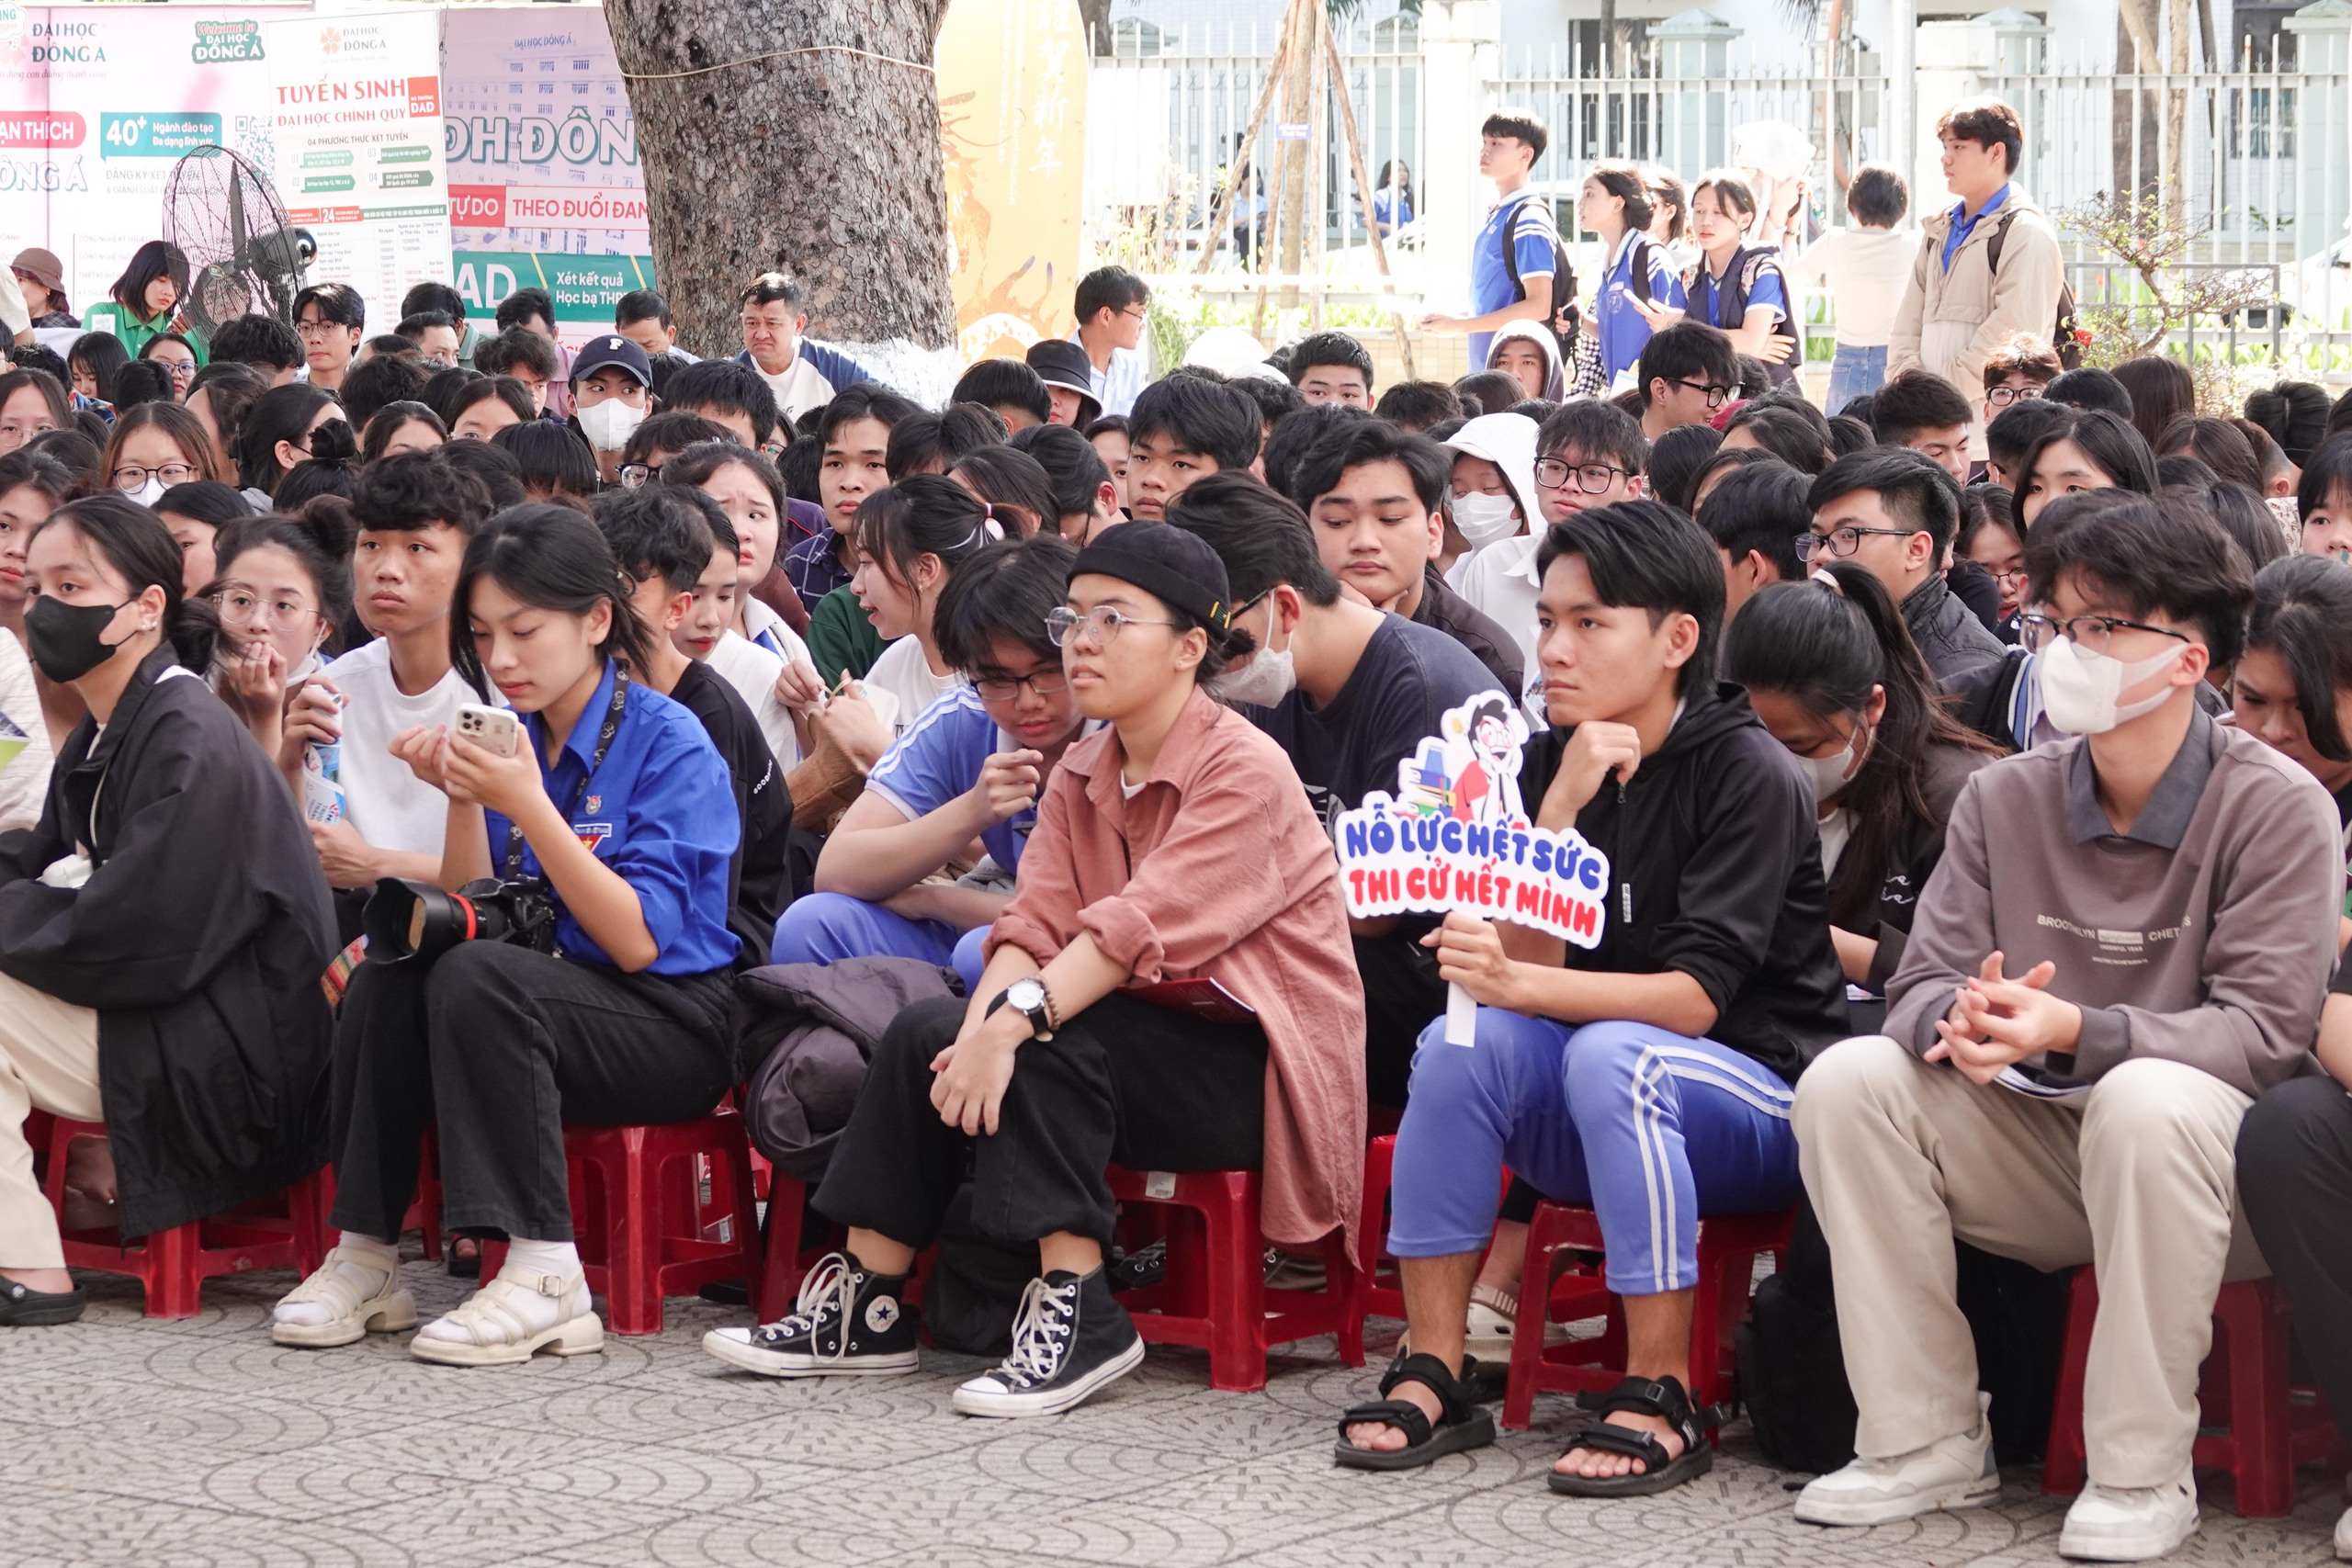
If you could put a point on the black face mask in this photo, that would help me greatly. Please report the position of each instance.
(67, 640)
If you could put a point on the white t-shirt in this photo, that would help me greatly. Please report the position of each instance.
(1499, 580)
(752, 671)
(798, 389)
(384, 802)
(904, 673)
(1865, 271)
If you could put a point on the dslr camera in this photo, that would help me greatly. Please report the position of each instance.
(407, 921)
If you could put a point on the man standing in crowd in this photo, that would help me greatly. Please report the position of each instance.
(802, 373)
(1113, 305)
(330, 317)
(1515, 258)
(642, 316)
(1959, 307)
(2128, 939)
(532, 310)
(1332, 367)
(1894, 511)
(1924, 412)
(1688, 372)
(1184, 429)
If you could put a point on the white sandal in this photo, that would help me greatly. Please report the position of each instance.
(1493, 1317)
(501, 1336)
(388, 1311)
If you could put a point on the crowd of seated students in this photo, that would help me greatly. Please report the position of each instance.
(1974, 880)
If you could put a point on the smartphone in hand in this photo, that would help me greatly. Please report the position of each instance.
(495, 730)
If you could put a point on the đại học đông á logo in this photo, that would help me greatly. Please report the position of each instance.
(226, 43)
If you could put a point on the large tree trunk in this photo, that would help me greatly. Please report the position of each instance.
(1094, 16)
(2136, 54)
(824, 164)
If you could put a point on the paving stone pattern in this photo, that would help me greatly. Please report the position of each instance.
(127, 1441)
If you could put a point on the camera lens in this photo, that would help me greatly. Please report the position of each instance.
(406, 920)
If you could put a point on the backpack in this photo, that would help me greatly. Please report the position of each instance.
(1560, 268)
(2062, 332)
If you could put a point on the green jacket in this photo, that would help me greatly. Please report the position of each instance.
(840, 637)
(111, 317)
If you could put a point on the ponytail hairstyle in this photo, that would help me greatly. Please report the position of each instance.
(2302, 613)
(1019, 492)
(332, 468)
(135, 543)
(1624, 181)
(925, 514)
(319, 537)
(185, 429)
(552, 558)
(1824, 651)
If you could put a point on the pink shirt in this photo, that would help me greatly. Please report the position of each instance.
(1218, 868)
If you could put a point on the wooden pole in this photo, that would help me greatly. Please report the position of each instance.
(1238, 171)
(1364, 191)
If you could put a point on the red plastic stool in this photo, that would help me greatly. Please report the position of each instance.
(170, 1265)
(1214, 1295)
(643, 1227)
(1728, 1247)
(2253, 1424)
(1383, 1295)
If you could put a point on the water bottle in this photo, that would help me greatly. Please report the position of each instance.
(322, 796)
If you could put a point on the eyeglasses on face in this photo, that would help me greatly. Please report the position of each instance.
(2090, 633)
(637, 475)
(130, 476)
(1593, 479)
(241, 607)
(1045, 682)
(1842, 541)
(1102, 624)
(1717, 396)
(2002, 397)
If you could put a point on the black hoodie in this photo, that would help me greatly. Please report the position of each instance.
(1716, 873)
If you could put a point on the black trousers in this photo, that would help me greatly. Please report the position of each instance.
(501, 1046)
(2295, 1183)
(1146, 1086)
(1402, 994)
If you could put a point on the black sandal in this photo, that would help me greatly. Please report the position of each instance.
(1662, 1397)
(1461, 1425)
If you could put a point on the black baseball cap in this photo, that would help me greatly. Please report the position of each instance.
(608, 350)
(1177, 568)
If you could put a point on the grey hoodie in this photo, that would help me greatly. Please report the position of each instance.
(1536, 332)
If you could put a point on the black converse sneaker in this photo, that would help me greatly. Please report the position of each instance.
(1069, 1339)
(847, 1323)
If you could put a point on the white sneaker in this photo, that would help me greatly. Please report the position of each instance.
(2130, 1524)
(1955, 1473)
(2344, 1538)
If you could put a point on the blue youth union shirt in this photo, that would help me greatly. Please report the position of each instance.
(1618, 320)
(939, 757)
(1708, 298)
(661, 812)
(1490, 287)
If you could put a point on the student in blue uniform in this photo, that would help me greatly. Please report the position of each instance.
(1736, 288)
(618, 808)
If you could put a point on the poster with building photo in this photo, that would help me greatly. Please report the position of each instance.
(357, 107)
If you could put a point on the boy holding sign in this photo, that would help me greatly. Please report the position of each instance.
(1645, 1068)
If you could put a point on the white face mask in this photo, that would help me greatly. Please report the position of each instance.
(1481, 518)
(609, 424)
(1269, 677)
(1830, 776)
(149, 493)
(2079, 688)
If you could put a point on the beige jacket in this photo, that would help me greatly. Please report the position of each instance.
(1951, 322)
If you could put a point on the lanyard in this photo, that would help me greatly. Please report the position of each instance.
(604, 744)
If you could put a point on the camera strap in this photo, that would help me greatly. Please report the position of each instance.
(604, 734)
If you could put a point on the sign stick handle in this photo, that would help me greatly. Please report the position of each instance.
(1461, 1016)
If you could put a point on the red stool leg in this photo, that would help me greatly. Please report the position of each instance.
(633, 1236)
(1534, 1304)
(175, 1278)
(2062, 1464)
(306, 1202)
(2255, 1333)
(1237, 1289)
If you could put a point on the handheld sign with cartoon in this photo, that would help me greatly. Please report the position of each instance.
(1456, 836)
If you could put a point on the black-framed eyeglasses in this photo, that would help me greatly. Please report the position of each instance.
(130, 476)
(2089, 632)
(1593, 479)
(1103, 623)
(1842, 541)
(2002, 397)
(1715, 395)
(637, 475)
(1046, 683)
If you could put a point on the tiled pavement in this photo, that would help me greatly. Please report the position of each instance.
(125, 1441)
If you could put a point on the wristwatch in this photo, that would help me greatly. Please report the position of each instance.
(1028, 997)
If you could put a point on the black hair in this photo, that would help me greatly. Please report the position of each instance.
(673, 433)
(1429, 465)
(1913, 401)
(1732, 195)
(1785, 433)
(1290, 441)
(2302, 613)
(336, 302)
(640, 305)
(1591, 431)
(1988, 122)
(2218, 445)
(1687, 348)
(463, 395)
(206, 501)
(1647, 556)
(693, 467)
(135, 543)
(925, 514)
(1519, 126)
(101, 353)
(1264, 538)
(1666, 193)
(51, 389)
(58, 481)
(1216, 421)
(657, 531)
(1754, 377)
(2147, 560)
(2111, 443)
(2295, 413)
(1624, 181)
(2182, 471)
(2161, 389)
(2245, 518)
(316, 540)
(379, 380)
(2089, 388)
(1760, 507)
(1330, 348)
(551, 558)
(2326, 476)
(1276, 400)
(434, 297)
(990, 382)
(1072, 466)
(1984, 506)
(1417, 405)
(2339, 415)
(924, 438)
(409, 492)
(664, 368)
(261, 341)
(2269, 459)
(1535, 408)
(1003, 593)
(411, 328)
(1826, 651)
(140, 381)
(553, 458)
(517, 345)
(387, 424)
(770, 289)
(521, 306)
(1015, 486)
(282, 413)
(493, 468)
(860, 400)
(230, 388)
(185, 431)
(1676, 459)
(1487, 392)
(1849, 435)
(155, 259)
(729, 387)
(445, 384)
(2024, 355)
(332, 468)
(1109, 288)
(1109, 425)
(146, 349)
(2014, 431)
(801, 466)
(389, 346)
(1877, 196)
(1727, 459)
(1914, 491)
(74, 448)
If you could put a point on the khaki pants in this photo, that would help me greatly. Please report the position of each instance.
(1900, 1156)
(49, 1061)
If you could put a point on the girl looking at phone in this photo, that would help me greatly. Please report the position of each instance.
(618, 809)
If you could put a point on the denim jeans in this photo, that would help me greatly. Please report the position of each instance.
(1854, 373)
